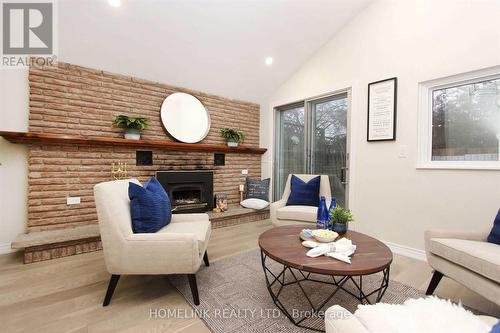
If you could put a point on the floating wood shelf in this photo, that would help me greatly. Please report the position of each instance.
(57, 139)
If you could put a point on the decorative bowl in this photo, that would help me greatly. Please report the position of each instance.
(306, 235)
(324, 236)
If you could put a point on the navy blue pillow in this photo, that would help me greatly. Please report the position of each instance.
(494, 236)
(302, 193)
(496, 328)
(150, 207)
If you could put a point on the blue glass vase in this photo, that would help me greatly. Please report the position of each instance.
(322, 215)
(333, 204)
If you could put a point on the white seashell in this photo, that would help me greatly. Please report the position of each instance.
(310, 244)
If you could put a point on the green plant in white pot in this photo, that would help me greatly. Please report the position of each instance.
(232, 136)
(132, 126)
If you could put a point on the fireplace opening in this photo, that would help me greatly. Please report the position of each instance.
(189, 191)
(186, 196)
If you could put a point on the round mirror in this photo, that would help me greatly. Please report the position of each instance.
(185, 118)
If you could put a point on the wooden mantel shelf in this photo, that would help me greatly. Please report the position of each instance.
(57, 139)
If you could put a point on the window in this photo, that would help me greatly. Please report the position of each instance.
(460, 122)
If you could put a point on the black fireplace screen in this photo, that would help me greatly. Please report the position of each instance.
(189, 191)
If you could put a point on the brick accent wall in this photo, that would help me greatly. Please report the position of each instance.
(75, 100)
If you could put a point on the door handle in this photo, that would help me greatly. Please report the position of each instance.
(343, 175)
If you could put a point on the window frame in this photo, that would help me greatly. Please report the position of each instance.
(424, 160)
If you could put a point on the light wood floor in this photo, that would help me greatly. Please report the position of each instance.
(65, 295)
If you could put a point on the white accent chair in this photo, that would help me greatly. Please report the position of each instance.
(178, 248)
(466, 257)
(281, 214)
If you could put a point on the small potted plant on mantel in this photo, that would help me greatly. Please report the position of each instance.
(133, 126)
(339, 219)
(232, 136)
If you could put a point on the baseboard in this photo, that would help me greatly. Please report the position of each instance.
(5, 248)
(407, 251)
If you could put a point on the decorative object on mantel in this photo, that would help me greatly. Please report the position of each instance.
(220, 202)
(382, 104)
(133, 126)
(119, 170)
(339, 219)
(58, 139)
(185, 118)
(232, 136)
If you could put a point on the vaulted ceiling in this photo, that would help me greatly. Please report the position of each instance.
(216, 46)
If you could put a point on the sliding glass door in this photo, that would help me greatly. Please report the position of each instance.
(311, 137)
(328, 143)
(291, 144)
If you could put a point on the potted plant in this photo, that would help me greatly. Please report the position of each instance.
(232, 136)
(133, 126)
(339, 219)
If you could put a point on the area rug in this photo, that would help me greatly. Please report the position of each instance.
(234, 297)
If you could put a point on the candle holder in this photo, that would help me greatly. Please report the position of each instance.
(242, 191)
(119, 170)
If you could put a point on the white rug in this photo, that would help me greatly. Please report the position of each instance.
(429, 315)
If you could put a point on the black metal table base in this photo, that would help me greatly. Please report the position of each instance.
(298, 277)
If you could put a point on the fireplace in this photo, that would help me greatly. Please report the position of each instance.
(189, 191)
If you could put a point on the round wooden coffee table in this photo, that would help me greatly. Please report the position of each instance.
(283, 245)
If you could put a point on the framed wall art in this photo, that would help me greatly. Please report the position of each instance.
(382, 104)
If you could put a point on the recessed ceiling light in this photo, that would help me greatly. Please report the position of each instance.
(269, 61)
(115, 3)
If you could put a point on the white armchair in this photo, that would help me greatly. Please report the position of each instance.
(281, 214)
(178, 248)
(466, 257)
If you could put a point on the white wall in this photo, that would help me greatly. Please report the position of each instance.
(415, 40)
(14, 102)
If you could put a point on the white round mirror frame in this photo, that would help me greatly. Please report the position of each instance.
(185, 118)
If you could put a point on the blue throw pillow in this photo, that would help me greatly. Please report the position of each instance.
(302, 193)
(494, 236)
(150, 207)
(496, 328)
